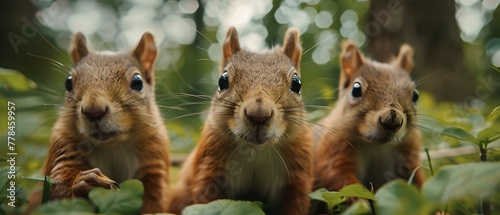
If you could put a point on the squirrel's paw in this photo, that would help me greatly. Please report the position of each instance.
(89, 179)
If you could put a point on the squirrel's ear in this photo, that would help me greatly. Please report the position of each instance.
(405, 58)
(351, 59)
(292, 47)
(231, 45)
(146, 52)
(79, 48)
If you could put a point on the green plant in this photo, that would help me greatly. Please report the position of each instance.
(127, 200)
(225, 207)
(450, 184)
(334, 198)
(482, 139)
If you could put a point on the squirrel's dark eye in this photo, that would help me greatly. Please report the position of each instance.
(223, 81)
(136, 83)
(69, 83)
(296, 84)
(356, 90)
(415, 96)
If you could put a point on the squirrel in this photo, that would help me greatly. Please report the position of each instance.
(371, 136)
(255, 144)
(110, 129)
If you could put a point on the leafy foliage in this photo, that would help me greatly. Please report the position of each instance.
(472, 180)
(397, 197)
(15, 80)
(127, 200)
(225, 207)
(334, 198)
(484, 136)
(494, 114)
(66, 206)
(459, 134)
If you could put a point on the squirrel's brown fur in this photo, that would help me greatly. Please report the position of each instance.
(372, 138)
(107, 132)
(255, 144)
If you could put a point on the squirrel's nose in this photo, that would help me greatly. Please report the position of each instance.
(390, 121)
(95, 112)
(259, 115)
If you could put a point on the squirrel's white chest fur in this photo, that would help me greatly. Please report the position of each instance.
(256, 171)
(118, 162)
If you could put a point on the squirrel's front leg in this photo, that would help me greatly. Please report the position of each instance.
(295, 195)
(336, 167)
(154, 179)
(71, 175)
(63, 183)
(88, 179)
(209, 182)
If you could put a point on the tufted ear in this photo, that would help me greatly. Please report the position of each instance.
(405, 58)
(292, 47)
(351, 59)
(79, 48)
(145, 52)
(231, 45)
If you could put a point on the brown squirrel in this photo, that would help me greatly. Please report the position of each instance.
(110, 129)
(255, 144)
(372, 135)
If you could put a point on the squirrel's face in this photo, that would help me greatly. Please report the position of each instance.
(383, 99)
(108, 95)
(258, 99)
(379, 98)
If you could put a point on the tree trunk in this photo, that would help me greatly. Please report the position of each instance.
(430, 28)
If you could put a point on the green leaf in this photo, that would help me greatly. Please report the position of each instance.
(333, 199)
(359, 207)
(397, 197)
(33, 178)
(488, 135)
(47, 183)
(494, 114)
(471, 180)
(459, 134)
(15, 80)
(494, 67)
(127, 200)
(65, 206)
(4, 173)
(354, 190)
(357, 190)
(224, 207)
(318, 195)
(21, 194)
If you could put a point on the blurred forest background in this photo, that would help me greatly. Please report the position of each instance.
(456, 43)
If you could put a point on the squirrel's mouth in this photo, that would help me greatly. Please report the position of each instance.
(383, 137)
(103, 136)
(257, 140)
(259, 137)
(255, 137)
